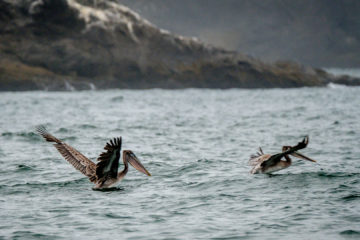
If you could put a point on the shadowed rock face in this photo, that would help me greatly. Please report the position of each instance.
(54, 44)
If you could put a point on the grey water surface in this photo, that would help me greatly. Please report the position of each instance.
(196, 144)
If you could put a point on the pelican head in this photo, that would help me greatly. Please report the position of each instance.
(131, 158)
(297, 154)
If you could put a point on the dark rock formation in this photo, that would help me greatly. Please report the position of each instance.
(347, 80)
(65, 44)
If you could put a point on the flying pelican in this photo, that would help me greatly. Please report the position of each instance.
(104, 174)
(267, 163)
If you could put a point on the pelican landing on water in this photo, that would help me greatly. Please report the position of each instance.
(104, 174)
(266, 163)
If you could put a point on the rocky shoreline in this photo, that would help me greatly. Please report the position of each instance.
(69, 44)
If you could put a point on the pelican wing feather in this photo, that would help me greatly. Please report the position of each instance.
(274, 159)
(109, 161)
(74, 157)
(258, 157)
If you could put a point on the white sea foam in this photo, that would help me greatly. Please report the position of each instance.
(336, 86)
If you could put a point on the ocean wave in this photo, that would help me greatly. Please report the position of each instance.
(317, 174)
(27, 136)
(350, 232)
(117, 99)
(85, 126)
(338, 174)
(336, 86)
(351, 197)
(24, 168)
(32, 235)
(48, 184)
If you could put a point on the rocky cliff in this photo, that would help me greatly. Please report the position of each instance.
(69, 44)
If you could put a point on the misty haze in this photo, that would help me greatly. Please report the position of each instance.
(319, 33)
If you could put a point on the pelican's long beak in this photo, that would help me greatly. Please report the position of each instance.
(299, 155)
(135, 162)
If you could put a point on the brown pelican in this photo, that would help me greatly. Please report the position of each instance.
(104, 174)
(266, 163)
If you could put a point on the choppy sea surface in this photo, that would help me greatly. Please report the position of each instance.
(196, 144)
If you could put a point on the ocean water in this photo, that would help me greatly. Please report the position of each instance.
(355, 72)
(196, 144)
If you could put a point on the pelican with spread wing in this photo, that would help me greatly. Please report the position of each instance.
(267, 163)
(104, 174)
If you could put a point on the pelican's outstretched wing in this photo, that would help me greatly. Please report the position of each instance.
(109, 161)
(274, 159)
(257, 158)
(79, 161)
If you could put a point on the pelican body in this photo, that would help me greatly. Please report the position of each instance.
(267, 163)
(105, 173)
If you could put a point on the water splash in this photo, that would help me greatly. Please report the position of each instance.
(92, 86)
(336, 86)
(69, 87)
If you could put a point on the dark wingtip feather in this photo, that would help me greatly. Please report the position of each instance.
(120, 142)
(41, 129)
(113, 143)
(113, 147)
(45, 134)
(261, 151)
